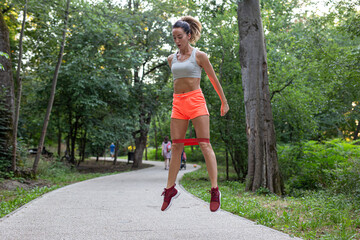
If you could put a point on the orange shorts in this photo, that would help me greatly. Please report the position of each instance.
(189, 105)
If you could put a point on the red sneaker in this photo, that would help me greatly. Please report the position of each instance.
(215, 201)
(169, 195)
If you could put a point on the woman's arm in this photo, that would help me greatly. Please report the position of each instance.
(204, 62)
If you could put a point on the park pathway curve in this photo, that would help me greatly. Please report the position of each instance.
(126, 206)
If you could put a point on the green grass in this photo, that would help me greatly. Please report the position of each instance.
(314, 215)
(12, 200)
(58, 173)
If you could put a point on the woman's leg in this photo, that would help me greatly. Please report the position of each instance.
(202, 129)
(178, 129)
(166, 163)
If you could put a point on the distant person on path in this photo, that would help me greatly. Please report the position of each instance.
(112, 150)
(189, 103)
(183, 160)
(183, 156)
(166, 151)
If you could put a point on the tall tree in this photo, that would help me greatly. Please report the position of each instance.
(99, 96)
(19, 90)
(263, 169)
(149, 66)
(52, 94)
(6, 98)
(222, 48)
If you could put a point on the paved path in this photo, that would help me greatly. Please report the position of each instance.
(126, 206)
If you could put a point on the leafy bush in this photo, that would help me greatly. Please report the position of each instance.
(333, 165)
(151, 154)
(348, 178)
(55, 171)
(263, 191)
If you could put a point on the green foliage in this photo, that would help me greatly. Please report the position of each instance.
(313, 69)
(263, 191)
(347, 177)
(114, 73)
(4, 55)
(61, 173)
(161, 121)
(151, 152)
(332, 165)
(113, 70)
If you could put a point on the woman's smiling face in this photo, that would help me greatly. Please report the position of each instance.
(180, 38)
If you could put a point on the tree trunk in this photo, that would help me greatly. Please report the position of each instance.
(59, 136)
(70, 133)
(227, 163)
(156, 145)
(19, 91)
(235, 163)
(140, 141)
(83, 148)
(356, 133)
(53, 88)
(146, 152)
(6, 98)
(116, 152)
(73, 140)
(238, 161)
(140, 144)
(263, 169)
(67, 150)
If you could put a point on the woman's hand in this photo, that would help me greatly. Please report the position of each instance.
(224, 108)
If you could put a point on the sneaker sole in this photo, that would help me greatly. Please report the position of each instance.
(174, 197)
(219, 204)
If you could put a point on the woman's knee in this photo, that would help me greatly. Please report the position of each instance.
(177, 147)
(205, 146)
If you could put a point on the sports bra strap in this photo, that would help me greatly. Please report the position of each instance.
(193, 53)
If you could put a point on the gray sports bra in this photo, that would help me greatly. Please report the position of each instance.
(186, 69)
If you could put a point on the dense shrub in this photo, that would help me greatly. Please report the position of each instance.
(332, 165)
(151, 154)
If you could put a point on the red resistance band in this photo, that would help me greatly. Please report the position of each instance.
(191, 141)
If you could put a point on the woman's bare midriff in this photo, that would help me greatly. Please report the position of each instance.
(184, 85)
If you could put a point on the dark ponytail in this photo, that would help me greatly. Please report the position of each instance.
(190, 26)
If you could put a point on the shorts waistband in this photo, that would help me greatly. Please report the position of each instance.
(187, 93)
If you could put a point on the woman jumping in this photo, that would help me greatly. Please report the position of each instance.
(189, 103)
